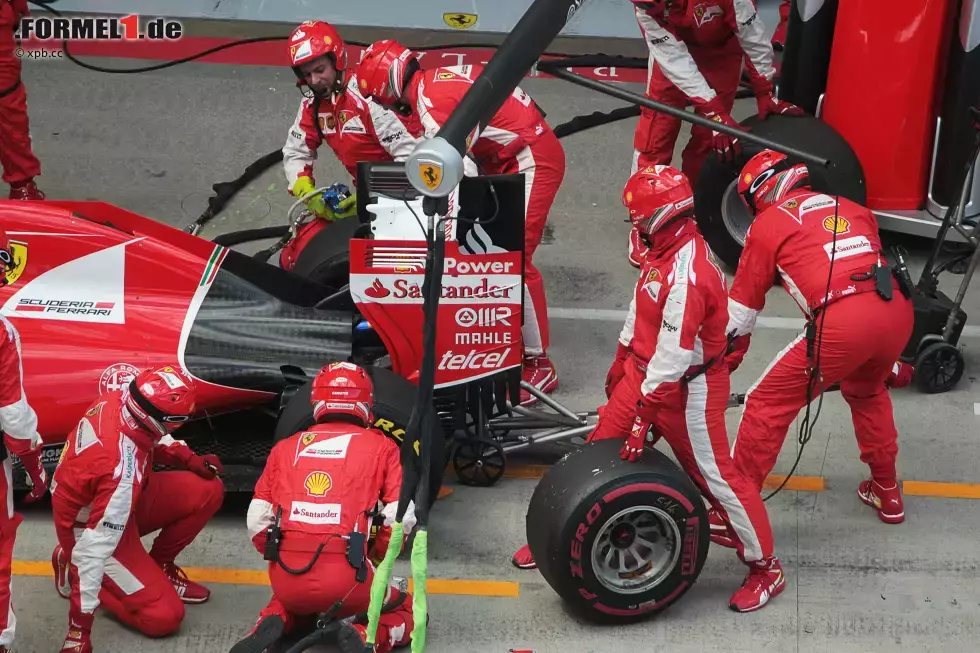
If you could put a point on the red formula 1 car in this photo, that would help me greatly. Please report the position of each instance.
(98, 293)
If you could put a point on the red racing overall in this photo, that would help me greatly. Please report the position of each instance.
(676, 324)
(696, 54)
(517, 140)
(863, 335)
(105, 496)
(326, 481)
(16, 154)
(18, 422)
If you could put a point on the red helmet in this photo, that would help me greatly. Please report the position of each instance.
(314, 39)
(768, 177)
(161, 399)
(343, 388)
(382, 71)
(655, 195)
(6, 257)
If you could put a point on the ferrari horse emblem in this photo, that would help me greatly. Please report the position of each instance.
(459, 21)
(431, 174)
(18, 251)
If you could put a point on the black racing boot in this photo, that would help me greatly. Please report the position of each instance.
(265, 633)
(352, 638)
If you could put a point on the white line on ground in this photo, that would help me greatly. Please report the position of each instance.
(976, 409)
(617, 315)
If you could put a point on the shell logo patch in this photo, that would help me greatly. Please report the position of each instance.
(317, 483)
(842, 226)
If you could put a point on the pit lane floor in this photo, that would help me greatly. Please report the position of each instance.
(154, 143)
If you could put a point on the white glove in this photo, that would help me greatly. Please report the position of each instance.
(408, 521)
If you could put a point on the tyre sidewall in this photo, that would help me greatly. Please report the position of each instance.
(325, 258)
(572, 569)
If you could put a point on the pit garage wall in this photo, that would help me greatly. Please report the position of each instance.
(600, 18)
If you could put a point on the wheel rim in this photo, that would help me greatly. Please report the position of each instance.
(735, 214)
(478, 463)
(940, 370)
(636, 550)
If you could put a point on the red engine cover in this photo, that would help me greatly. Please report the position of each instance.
(881, 93)
(97, 297)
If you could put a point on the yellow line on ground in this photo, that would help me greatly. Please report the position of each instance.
(260, 577)
(945, 490)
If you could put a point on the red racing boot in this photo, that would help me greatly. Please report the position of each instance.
(61, 565)
(187, 590)
(886, 497)
(721, 532)
(764, 581)
(27, 190)
(523, 558)
(539, 372)
(638, 249)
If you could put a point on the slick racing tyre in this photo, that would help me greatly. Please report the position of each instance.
(394, 397)
(721, 214)
(618, 541)
(326, 258)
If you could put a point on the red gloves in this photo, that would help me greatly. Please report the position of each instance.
(769, 103)
(736, 353)
(641, 433)
(79, 638)
(207, 466)
(900, 376)
(724, 145)
(36, 475)
(616, 370)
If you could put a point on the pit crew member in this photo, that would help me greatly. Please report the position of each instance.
(17, 159)
(517, 140)
(858, 322)
(18, 422)
(669, 376)
(105, 496)
(312, 511)
(333, 111)
(696, 54)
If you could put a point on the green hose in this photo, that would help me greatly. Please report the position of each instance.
(379, 586)
(420, 608)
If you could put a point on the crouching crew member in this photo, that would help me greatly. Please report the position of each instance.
(105, 496)
(311, 518)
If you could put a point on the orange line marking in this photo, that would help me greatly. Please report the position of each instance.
(945, 490)
(260, 577)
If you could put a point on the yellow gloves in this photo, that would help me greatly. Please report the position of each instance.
(345, 209)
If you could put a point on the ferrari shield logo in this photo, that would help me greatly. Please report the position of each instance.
(460, 21)
(431, 174)
(19, 251)
(308, 438)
